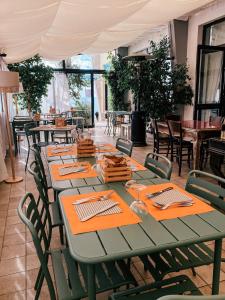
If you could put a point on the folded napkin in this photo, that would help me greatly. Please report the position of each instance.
(86, 209)
(70, 170)
(172, 197)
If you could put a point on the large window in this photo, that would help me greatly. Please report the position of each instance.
(90, 96)
(210, 91)
(214, 33)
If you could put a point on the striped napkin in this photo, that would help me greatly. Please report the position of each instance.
(172, 197)
(70, 170)
(86, 209)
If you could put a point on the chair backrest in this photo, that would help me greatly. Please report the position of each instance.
(154, 126)
(38, 221)
(34, 170)
(207, 189)
(162, 168)
(175, 129)
(184, 297)
(29, 133)
(124, 146)
(37, 155)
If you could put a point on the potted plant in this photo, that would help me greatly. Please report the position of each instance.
(35, 77)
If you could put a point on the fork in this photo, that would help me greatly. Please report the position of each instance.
(102, 198)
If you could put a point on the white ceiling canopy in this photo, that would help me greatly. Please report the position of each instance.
(57, 29)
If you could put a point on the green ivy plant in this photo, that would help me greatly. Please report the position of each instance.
(35, 77)
(76, 82)
(118, 78)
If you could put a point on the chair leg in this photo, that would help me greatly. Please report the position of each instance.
(193, 271)
(28, 154)
(189, 158)
(180, 160)
(61, 234)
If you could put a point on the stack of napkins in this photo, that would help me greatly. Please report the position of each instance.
(171, 198)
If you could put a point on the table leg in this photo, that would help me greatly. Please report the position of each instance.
(91, 282)
(196, 152)
(216, 267)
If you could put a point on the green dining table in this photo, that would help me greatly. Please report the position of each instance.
(59, 185)
(147, 237)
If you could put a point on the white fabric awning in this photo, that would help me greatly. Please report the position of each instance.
(57, 29)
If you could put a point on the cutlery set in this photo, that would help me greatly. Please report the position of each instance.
(93, 208)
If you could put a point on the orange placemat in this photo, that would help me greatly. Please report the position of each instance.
(171, 212)
(90, 172)
(135, 164)
(126, 217)
(72, 151)
(106, 148)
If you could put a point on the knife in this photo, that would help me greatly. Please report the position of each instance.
(153, 195)
(99, 211)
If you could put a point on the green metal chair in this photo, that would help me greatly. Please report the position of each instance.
(177, 285)
(216, 297)
(37, 155)
(208, 190)
(69, 284)
(34, 137)
(175, 260)
(162, 168)
(42, 188)
(124, 146)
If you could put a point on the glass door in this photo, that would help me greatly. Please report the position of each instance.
(210, 83)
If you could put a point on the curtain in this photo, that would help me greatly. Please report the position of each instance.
(212, 77)
(58, 94)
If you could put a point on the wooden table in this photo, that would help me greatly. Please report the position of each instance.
(52, 128)
(199, 131)
(148, 237)
(60, 185)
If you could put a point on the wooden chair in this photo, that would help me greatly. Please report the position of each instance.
(175, 260)
(67, 271)
(161, 141)
(177, 285)
(124, 146)
(162, 168)
(182, 145)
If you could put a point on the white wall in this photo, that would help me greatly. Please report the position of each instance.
(196, 22)
(155, 35)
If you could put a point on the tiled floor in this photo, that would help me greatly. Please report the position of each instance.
(19, 264)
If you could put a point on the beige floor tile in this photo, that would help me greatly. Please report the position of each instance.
(44, 295)
(12, 212)
(222, 288)
(30, 249)
(206, 290)
(32, 262)
(11, 266)
(12, 220)
(205, 272)
(12, 283)
(15, 229)
(14, 296)
(13, 251)
(14, 239)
